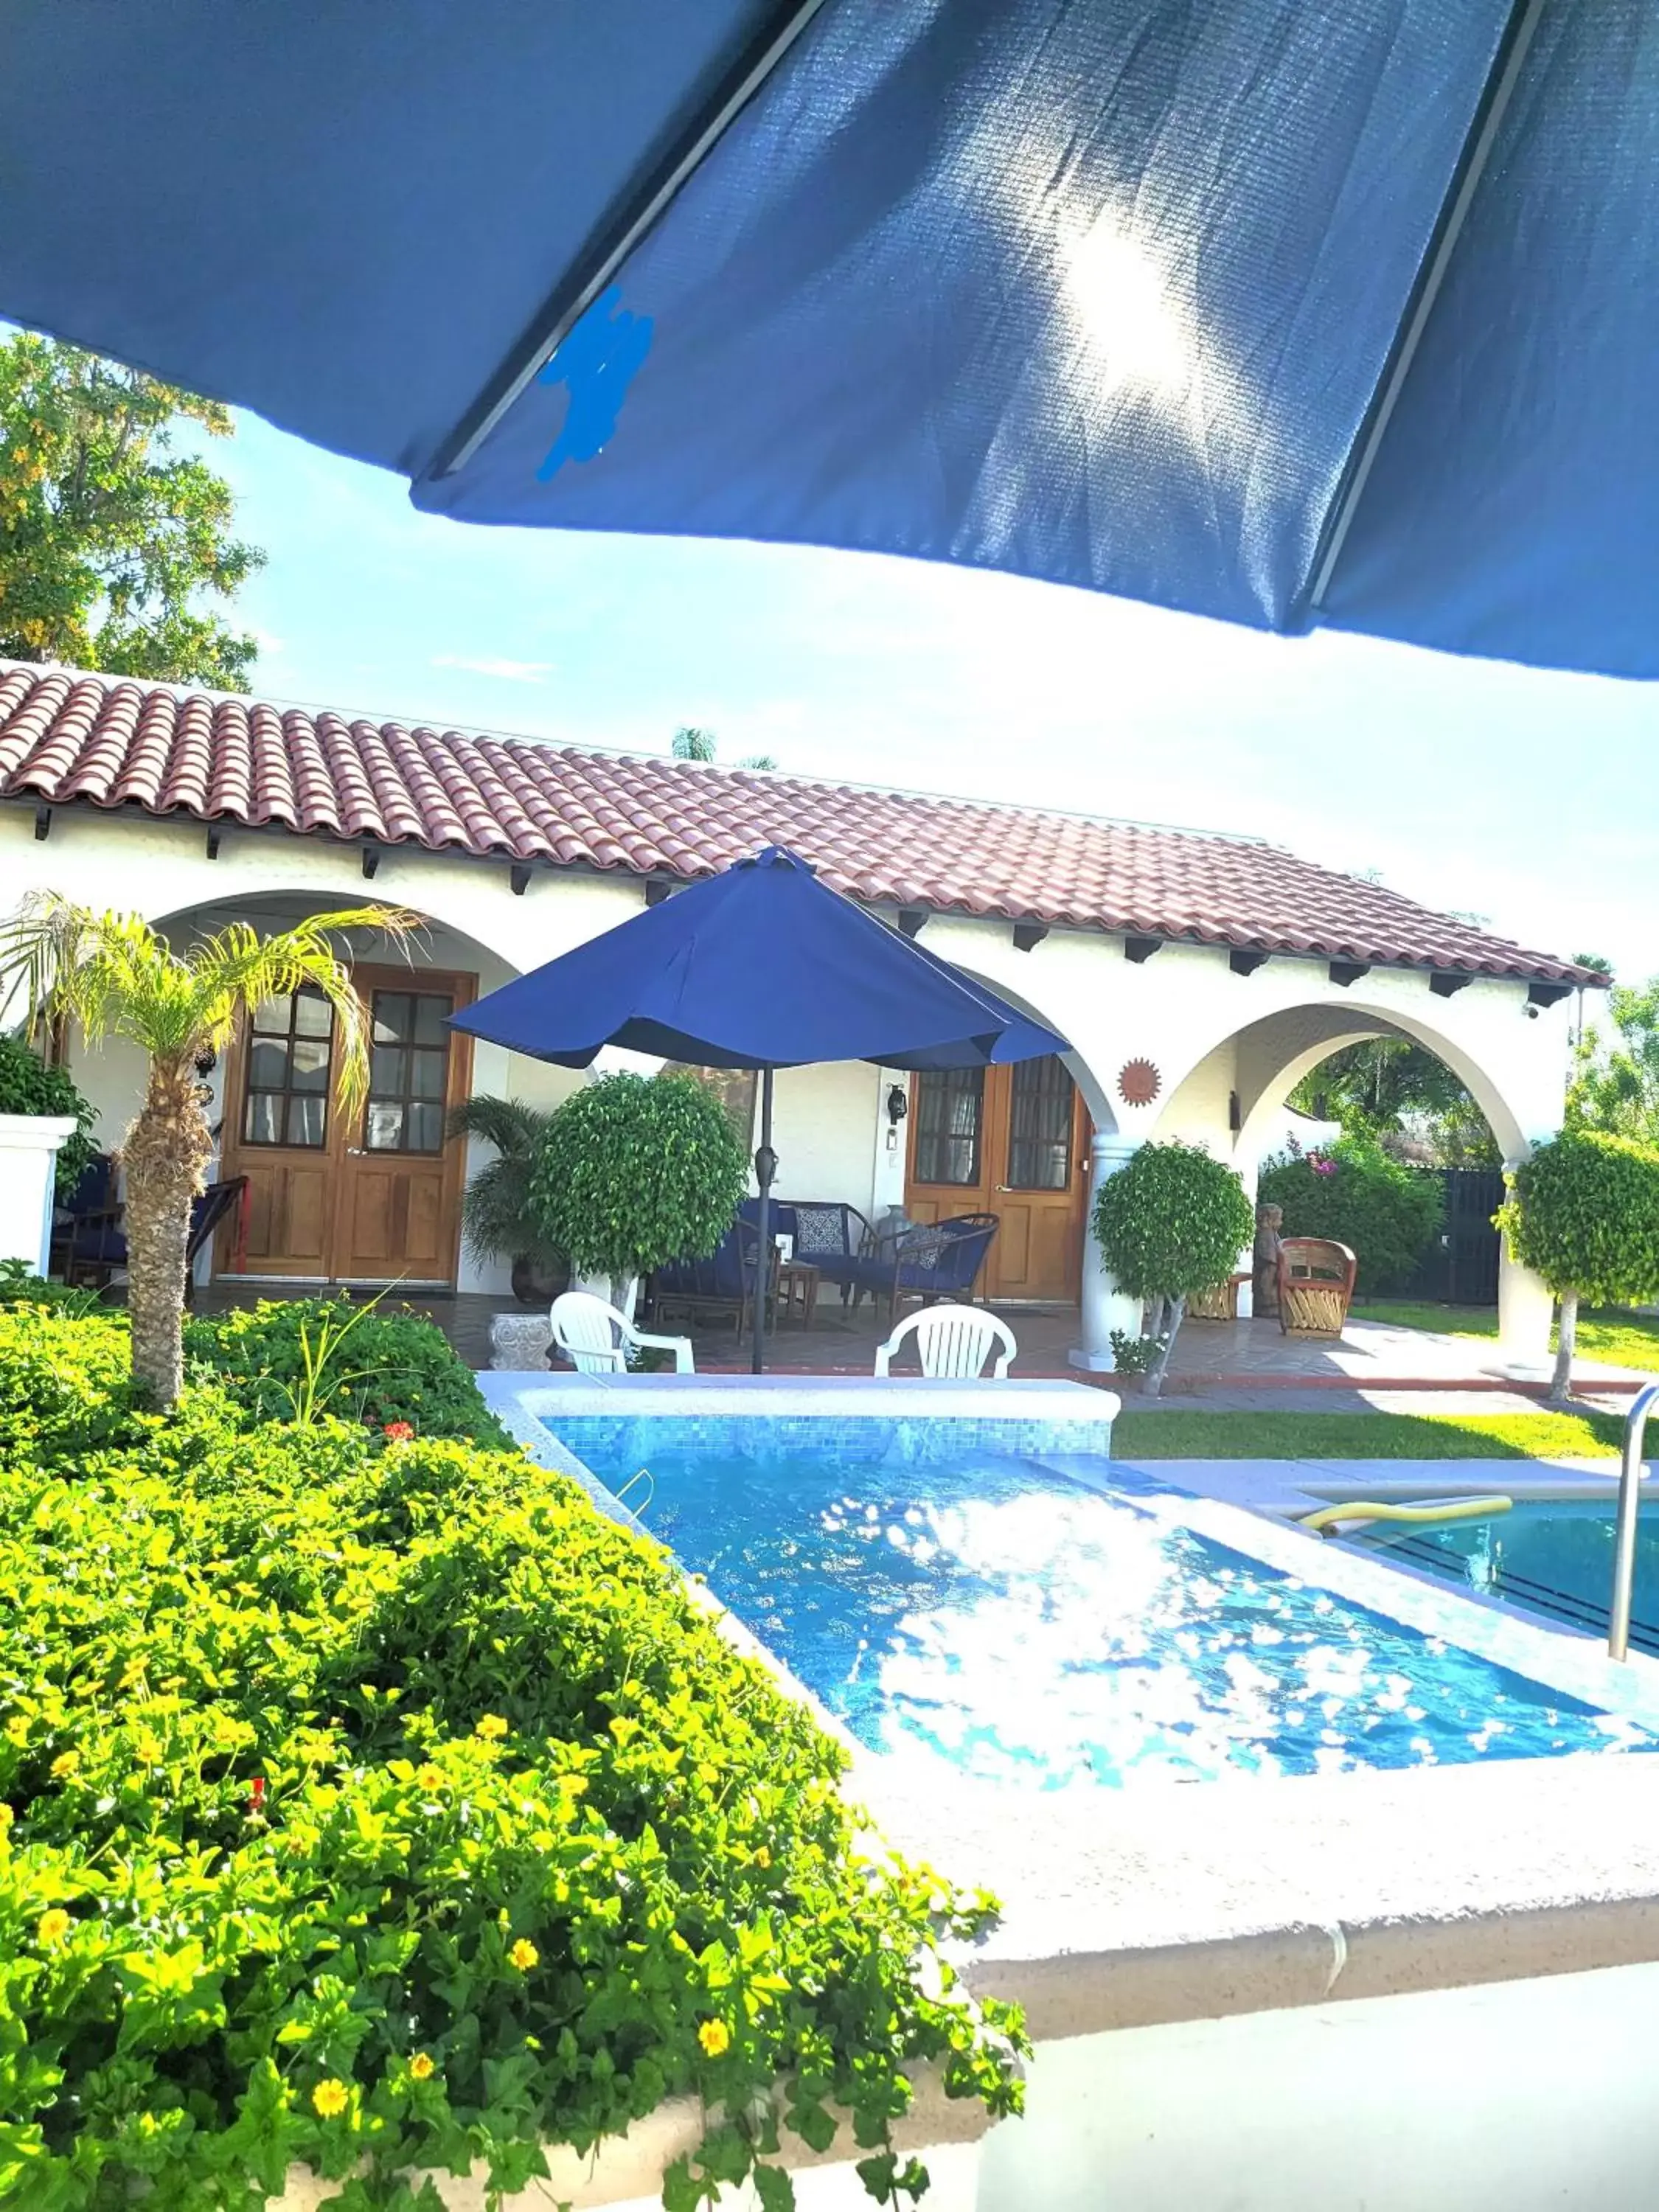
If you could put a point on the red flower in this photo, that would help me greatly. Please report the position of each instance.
(257, 1800)
(400, 1432)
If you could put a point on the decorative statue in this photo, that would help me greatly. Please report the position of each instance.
(1267, 1219)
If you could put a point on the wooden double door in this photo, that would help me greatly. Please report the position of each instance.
(1011, 1141)
(369, 1196)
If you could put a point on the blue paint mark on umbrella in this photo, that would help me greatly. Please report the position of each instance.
(596, 361)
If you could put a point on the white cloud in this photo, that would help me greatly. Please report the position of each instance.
(508, 671)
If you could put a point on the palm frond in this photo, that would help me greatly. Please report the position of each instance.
(114, 973)
(514, 1129)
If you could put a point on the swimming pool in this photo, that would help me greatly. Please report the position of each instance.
(1035, 1618)
(1552, 1556)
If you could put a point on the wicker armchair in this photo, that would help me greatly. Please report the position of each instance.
(1316, 1285)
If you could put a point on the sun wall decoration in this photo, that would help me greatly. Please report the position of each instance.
(1139, 1083)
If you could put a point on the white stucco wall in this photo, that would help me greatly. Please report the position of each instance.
(1206, 1030)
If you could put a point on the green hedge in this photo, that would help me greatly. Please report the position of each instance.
(375, 1363)
(382, 1807)
(1384, 1212)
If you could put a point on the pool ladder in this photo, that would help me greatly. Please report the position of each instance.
(1630, 1498)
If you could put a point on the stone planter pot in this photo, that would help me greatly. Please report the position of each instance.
(519, 1342)
(29, 1145)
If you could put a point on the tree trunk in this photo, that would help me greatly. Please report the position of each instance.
(165, 1155)
(1173, 1312)
(1565, 1342)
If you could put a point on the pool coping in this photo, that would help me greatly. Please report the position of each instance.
(1128, 1908)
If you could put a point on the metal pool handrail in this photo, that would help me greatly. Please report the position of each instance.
(1630, 1494)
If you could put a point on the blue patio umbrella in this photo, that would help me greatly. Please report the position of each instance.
(1285, 311)
(762, 966)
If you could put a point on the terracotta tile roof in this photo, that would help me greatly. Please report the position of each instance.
(110, 742)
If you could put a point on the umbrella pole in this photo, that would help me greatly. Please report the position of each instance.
(766, 1166)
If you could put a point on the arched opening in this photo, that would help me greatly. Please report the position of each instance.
(372, 1195)
(1237, 1099)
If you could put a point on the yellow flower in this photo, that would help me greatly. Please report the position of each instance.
(330, 2099)
(491, 1726)
(51, 1927)
(762, 1856)
(17, 1730)
(421, 2067)
(65, 1762)
(715, 2038)
(429, 1777)
(522, 1955)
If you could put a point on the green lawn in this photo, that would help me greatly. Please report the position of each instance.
(1178, 1434)
(1624, 1340)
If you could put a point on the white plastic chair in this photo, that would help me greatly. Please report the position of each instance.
(952, 1341)
(597, 1340)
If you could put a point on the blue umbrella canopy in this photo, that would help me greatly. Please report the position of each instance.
(1278, 312)
(762, 966)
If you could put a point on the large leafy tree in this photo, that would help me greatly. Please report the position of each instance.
(1615, 1084)
(110, 536)
(112, 975)
(1396, 1094)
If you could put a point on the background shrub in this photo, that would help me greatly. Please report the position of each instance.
(1355, 1195)
(27, 1085)
(373, 1363)
(387, 1807)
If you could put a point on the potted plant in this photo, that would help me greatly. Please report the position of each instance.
(1170, 1222)
(499, 1216)
(637, 1171)
(45, 1147)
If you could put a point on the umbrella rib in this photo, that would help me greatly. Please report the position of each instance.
(1501, 83)
(631, 217)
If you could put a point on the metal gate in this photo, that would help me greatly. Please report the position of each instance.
(1460, 1267)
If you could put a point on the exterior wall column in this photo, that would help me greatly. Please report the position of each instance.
(1105, 1307)
(1526, 1308)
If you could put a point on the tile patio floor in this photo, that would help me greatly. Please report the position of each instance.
(1225, 1364)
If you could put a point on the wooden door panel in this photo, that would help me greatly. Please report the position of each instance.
(399, 1216)
(288, 1214)
(336, 1210)
(1032, 1129)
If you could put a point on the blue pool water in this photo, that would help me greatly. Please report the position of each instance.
(1031, 1628)
(1553, 1557)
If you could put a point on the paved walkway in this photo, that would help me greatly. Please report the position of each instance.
(1295, 1486)
(1227, 1366)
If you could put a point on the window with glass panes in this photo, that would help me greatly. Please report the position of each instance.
(1039, 1125)
(950, 1115)
(290, 1043)
(409, 1070)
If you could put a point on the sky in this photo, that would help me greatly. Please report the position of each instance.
(1527, 798)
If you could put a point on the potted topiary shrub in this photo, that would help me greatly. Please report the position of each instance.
(635, 1171)
(499, 1215)
(1171, 1222)
(1584, 1211)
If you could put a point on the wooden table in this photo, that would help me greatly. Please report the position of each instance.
(795, 1293)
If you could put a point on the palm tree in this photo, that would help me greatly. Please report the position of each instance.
(497, 1211)
(112, 974)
